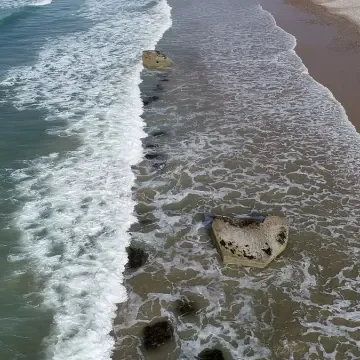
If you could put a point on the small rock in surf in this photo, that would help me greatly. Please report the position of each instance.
(158, 133)
(137, 258)
(159, 166)
(157, 334)
(210, 354)
(154, 59)
(150, 146)
(150, 100)
(152, 156)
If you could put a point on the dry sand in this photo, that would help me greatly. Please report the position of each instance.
(328, 44)
(350, 9)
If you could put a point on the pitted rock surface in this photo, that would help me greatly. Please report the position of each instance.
(154, 59)
(250, 242)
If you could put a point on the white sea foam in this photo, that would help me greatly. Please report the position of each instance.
(79, 205)
(10, 4)
(41, 3)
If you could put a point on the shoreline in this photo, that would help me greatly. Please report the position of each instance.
(328, 45)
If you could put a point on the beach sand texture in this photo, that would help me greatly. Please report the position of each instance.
(347, 8)
(329, 46)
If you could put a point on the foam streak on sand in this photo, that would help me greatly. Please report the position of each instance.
(349, 9)
(78, 205)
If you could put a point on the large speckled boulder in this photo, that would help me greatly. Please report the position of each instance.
(154, 59)
(250, 242)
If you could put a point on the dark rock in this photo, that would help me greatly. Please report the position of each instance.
(158, 133)
(157, 334)
(152, 156)
(185, 307)
(137, 257)
(150, 146)
(150, 100)
(159, 87)
(159, 166)
(210, 354)
(146, 222)
(163, 77)
(112, 333)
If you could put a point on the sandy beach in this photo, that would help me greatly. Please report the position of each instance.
(349, 9)
(328, 44)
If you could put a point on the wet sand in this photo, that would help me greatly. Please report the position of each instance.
(329, 46)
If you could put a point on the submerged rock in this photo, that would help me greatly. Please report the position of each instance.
(159, 165)
(157, 133)
(185, 307)
(150, 100)
(152, 156)
(157, 334)
(137, 257)
(154, 59)
(250, 241)
(163, 77)
(210, 354)
(159, 87)
(151, 146)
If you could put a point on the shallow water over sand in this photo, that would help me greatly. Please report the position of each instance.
(246, 129)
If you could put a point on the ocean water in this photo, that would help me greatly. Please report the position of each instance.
(243, 128)
(70, 132)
